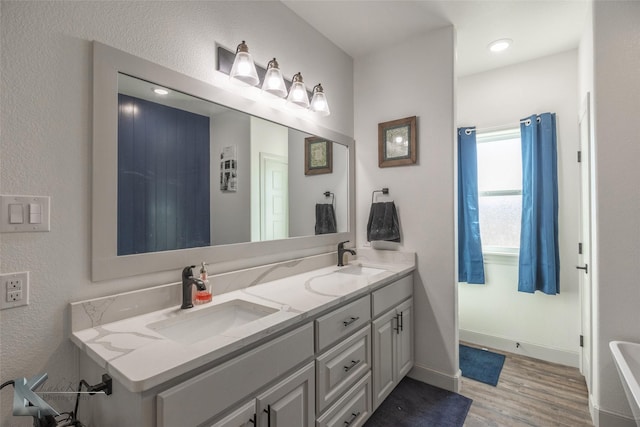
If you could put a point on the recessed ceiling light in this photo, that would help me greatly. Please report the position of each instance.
(500, 45)
(160, 91)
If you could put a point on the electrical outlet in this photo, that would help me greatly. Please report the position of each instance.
(14, 289)
(14, 296)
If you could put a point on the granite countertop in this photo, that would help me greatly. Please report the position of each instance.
(128, 349)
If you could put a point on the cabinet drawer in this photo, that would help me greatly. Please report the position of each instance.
(391, 295)
(353, 409)
(342, 322)
(341, 366)
(203, 396)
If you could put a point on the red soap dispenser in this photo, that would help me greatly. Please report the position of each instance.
(205, 296)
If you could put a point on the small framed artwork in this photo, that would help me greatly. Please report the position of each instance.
(317, 156)
(397, 142)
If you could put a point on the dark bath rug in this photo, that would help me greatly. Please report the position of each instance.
(416, 404)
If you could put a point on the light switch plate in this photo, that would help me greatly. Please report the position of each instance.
(40, 215)
(14, 289)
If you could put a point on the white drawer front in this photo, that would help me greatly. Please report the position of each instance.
(342, 322)
(341, 366)
(391, 295)
(203, 396)
(352, 410)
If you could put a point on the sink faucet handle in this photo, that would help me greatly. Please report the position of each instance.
(186, 272)
(341, 244)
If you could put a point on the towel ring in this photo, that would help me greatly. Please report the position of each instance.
(333, 198)
(383, 191)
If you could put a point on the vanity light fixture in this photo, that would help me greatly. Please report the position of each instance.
(298, 93)
(244, 69)
(319, 102)
(499, 45)
(273, 80)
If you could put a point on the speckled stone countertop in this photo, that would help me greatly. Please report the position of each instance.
(128, 349)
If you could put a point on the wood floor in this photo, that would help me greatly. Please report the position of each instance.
(530, 392)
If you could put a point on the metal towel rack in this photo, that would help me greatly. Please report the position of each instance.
(383, 191)
(333, 197)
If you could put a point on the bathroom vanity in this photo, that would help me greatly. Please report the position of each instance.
(318, 345)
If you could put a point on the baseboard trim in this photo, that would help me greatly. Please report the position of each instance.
(554, 355)
(603, 418)
(436, 378)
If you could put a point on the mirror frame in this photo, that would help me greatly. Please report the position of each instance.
(106, 264)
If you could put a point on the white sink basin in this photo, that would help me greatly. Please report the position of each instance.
(193, 325)
(359, 270)
(627, 358)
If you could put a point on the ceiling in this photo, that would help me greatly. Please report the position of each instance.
(537, 27)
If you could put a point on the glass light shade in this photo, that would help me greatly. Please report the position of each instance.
(243, 68)
(298, 93)
(273, 81)
(319, 102)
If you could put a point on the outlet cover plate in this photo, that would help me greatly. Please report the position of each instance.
(14, 289)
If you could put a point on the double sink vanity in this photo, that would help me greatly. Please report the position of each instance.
(296, 343)
(290, 339)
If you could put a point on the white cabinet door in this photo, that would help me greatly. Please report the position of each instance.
(392, 349)
(404, 340)
(384, 355)
(291, 402)
(244, 416)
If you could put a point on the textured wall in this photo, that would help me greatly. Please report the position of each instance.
(46, 127)
(416, 77)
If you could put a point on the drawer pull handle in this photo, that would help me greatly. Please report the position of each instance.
(353, 418)
(401, 321)
(397, 328)
(350, 321)
(353, 364)
(268, 411)
(253, 420)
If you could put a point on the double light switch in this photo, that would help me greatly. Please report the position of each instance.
(24, 213)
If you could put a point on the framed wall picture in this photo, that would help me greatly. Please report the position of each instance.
(318, 158)
(397, 142)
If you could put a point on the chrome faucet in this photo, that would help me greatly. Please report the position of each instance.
(341, 251)
(187, 286)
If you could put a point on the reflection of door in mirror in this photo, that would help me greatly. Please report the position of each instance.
(274, 197)
(269, 185)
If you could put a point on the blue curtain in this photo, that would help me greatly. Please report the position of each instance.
(539, 268)
(470, 262)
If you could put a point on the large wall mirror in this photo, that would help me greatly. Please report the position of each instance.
(186, 172)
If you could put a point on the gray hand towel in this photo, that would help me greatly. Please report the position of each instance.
(383, 222)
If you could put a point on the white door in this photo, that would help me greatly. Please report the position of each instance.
(584, 247)
(274, 197)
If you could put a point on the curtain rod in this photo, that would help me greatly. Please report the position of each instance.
(498, 128)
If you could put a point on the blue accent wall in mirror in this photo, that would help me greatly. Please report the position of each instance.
(163, 177)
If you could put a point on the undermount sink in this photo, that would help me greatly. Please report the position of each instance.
(359, 270)
(190, 326)
(627, 358)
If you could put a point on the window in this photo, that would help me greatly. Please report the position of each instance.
(499, 190)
